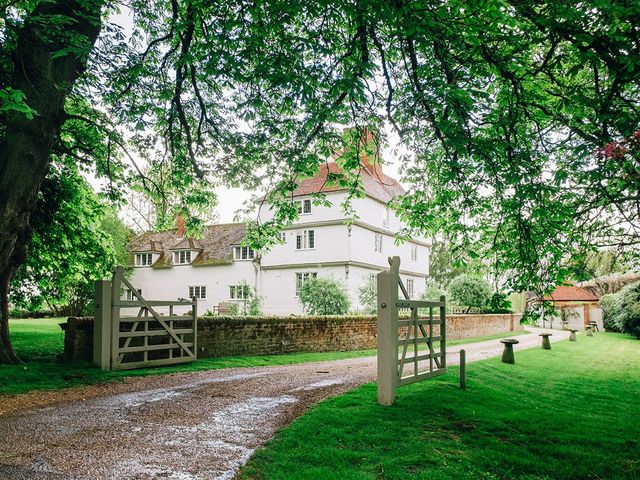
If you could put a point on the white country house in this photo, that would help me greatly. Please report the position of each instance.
(321, 243)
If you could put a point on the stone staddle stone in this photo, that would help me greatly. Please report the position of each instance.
(546, 343)
(507, 353)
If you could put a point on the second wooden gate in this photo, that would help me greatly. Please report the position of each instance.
(125, 338)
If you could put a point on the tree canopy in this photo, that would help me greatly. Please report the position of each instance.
(521, 118)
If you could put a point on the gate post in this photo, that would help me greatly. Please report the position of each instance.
(116, 284)
(387, 335)
(102, 324)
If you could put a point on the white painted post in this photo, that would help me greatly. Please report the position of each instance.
(116, 283)
(102, 324)
(387, 335)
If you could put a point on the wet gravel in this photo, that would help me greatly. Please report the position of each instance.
(201, 425)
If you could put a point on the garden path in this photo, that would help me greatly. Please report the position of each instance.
(201, 425)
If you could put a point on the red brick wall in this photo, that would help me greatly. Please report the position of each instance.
(226, 336)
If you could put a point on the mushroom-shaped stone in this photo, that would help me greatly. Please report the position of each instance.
(546, 343)
(572, 336)
(589, 331)
(594, 326)
(507, 353)
(565, 325)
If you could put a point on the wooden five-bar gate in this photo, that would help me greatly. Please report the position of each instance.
(156, 334)
(400, 335)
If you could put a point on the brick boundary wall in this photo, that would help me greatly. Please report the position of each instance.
(229, 336)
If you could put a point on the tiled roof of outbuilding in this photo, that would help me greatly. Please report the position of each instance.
(215, 245)
(571, 293)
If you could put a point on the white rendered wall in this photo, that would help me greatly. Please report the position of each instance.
(173, 283)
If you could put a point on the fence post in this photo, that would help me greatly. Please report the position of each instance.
(387, 336)
(194, 301)
(102, 324)
(443, 331)
(116, 283)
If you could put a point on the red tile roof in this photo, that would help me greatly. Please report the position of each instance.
(376, 184)
(571, 293)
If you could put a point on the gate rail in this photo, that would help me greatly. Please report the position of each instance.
(146, 339)
(394, 343)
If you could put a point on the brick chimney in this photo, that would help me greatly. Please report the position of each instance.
(369, 148)
(181, 227)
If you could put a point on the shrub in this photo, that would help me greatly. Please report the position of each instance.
(628, 309)
(323, 296)
(367, 296)
(432, 292)
(609, 306)
(498, 303)
(469, 291)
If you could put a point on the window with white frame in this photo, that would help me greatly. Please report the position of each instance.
(302, 277)
(414, 252)
(306, 240)
(199, 291)
(373, 279)
(243, 253)
(239, 292)
(129, 294)
(410, 290)
(283, 237)
(182, 257)
(378, 243)
(144, 259)
(385, 217)
(304, 206)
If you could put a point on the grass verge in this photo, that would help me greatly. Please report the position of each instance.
(567, 413)
(39, 341)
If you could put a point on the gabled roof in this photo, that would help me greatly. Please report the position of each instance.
(376, 184)
(148, 246)
(571, 293)
(187, 244)
(215, 245)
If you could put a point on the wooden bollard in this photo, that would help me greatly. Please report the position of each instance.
(463, 369)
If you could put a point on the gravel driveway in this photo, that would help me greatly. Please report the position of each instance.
(186, 426)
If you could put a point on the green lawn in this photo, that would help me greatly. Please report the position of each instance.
(568, 413)
(40, 341)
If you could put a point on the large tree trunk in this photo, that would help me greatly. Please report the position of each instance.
(26, 144)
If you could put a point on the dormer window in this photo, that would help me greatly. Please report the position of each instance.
(243, 253)
(144, 259)
(304, 207)
(182, 257)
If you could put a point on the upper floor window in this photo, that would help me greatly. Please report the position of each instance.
(243, 253)
(302, 277)
(378, 243)
(414, 252)
(198, 292)
(385, 217)
(283, 236)
(144, 259)
(304, 206)
(182, 257)
(373, 279)
(306, 240)
(410, 290)
(239, 292)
